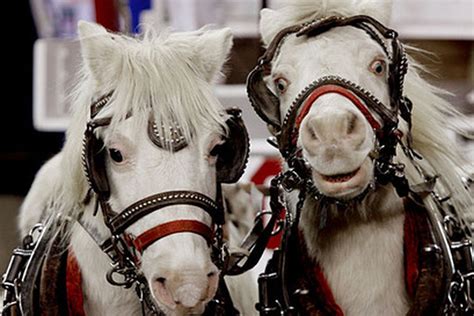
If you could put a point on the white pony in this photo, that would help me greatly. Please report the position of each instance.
(168, 76)
(360, 250)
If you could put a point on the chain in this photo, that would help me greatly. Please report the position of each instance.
(460, 296)
(12, 279)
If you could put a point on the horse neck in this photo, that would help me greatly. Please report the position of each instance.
(376, 209)
(369, 249)
(100, 297)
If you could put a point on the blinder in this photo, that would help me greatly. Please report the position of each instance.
(234, 153)
(94, 163)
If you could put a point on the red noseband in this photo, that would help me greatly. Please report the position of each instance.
(342, 91)
(180, 226)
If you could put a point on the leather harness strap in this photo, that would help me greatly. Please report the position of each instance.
(362, 99)
(339, 90)
(179, 226)
(161, 200)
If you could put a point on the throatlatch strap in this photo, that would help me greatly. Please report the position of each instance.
(181, 226)
(75, 297)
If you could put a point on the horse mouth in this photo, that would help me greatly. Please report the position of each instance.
(340, 178)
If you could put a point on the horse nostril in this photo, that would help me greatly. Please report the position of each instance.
(211, 274)
(311, 132)
(352, 124)
(161, 280)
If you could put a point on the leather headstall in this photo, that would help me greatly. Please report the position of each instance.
(266, 104)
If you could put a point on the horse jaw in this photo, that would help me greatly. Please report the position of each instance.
(377, 206)
(371, 252)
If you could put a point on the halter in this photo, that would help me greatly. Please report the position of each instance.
(450, 248)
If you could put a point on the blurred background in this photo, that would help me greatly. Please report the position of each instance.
(43, 57)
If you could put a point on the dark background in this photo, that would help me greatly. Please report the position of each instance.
(23, 150)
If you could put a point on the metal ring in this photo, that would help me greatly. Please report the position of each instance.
(279, 227)
(261, 214)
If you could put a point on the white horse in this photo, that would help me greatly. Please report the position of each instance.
(167, 77)
(360, 250)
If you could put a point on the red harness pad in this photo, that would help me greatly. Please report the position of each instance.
(411, 260)
(75, 297)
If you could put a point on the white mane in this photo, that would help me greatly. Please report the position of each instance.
(431, 112)
(161, 72)
(299, 11)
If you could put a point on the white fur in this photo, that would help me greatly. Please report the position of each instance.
(361, 251)
(169, 76)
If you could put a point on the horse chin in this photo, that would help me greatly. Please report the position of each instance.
(347, 185)
(181, 310)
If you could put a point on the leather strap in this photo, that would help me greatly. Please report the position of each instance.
(286, 138)
(339, 90)
(180, 226)
(158, 201)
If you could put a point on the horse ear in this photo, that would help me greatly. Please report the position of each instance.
(213, 48)
(98, 48)
(270, 24)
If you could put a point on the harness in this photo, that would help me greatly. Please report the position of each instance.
(448, 244)
(121, 247)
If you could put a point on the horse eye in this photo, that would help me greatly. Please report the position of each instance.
(116, 155)
(281, 85)
(378, 67)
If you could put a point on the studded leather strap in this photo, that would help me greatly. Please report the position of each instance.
(158, 201)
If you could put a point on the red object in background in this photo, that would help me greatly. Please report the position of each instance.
(270, 168)
(106, 14)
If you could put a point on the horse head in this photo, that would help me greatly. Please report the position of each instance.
(361, 133)
(327, 76)
(156, 148)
